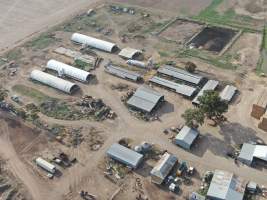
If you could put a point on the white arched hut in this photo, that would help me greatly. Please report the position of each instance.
(72, 72)
(93, 42)
(53, 81)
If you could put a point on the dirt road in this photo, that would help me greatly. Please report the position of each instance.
(20, 20)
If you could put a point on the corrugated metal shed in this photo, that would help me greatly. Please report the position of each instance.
(125, 155)
(184, 90)
(225, 186)
(54, 81)
(186, 137)
(123, 73)
(93, 42)
(145, 99)
(251, 151)
(70, 71)
(228, 93)
(163, 168)
(129, 53)
(210, 85)
(180, 74)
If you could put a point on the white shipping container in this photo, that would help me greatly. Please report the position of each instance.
(45, 165)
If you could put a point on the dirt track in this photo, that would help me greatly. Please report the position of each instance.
(22, 19)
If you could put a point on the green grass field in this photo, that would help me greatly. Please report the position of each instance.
(36, 95)
(229, 18)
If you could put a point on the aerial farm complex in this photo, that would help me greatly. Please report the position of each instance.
(133, 100)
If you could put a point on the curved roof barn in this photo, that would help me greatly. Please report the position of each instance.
(68, 70)
(93, 42)
(53, 81)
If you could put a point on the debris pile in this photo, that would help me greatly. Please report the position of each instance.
(73, 137)
(120, 87)
(92, 106)
(94, 139)
(119, 10)
(87, 107)
(11, 68)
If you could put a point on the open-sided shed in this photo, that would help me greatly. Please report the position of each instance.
(145, 99)
(125, 155)
(129, 53)
(181, 89)
(180, 74)
(250, 152)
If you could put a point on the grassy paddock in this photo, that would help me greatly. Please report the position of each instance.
(32, 93)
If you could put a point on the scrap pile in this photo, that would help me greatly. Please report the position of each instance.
(96, 107)
(120, 87)
(94, 139)
(11, 68)
(73, 137)
(87, 107)
(118, 9)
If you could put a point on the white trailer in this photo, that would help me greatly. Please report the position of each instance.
(45, 165)
(136, 63)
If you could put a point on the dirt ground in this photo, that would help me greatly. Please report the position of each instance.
(20, 144)
(35, 16)
(189, 7)
(255, 8)
(247, 49)
(181, 31)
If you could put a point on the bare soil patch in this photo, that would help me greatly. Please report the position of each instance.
(181, 31)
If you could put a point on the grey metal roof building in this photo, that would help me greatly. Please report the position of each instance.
(225, 186)
(125, 155)
(163, 168)
(249, 152)
(228, 93)
(145, 99)
(210, 85)
(122, 73)
(180, 74)
(184, 90)
(186, 137)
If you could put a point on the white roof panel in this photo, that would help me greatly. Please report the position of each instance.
(178, 88)
(228, 93)
(180, 74)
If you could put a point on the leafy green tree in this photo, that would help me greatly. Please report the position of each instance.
(212, 105)
(193, 117)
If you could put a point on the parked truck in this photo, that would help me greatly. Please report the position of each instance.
(45, 165)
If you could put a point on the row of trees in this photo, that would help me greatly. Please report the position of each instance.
(211, 106)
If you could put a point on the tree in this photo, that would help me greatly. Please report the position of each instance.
(190, 67)
(193, 117)
(212, 105)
